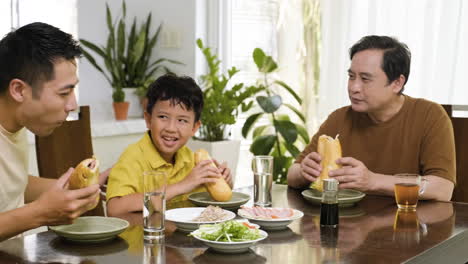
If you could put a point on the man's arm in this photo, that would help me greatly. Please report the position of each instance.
(55, 206)
(17, 221)
(436, 188)
(36, 186)
(355, 175)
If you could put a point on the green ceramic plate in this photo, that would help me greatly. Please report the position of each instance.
(204, 199)
(346, 198)
(91, 229)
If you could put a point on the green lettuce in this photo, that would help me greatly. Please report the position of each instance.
(230, 231)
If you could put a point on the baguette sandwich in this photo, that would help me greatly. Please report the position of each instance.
(220, 190)
(330, 150)
(85, 174)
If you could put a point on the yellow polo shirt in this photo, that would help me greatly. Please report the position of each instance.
(126, 177)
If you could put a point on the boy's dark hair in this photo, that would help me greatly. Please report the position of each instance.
(29, 53)
(396, 58)
(179, 90)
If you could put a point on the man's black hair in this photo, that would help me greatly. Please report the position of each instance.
(29, 53)
(396, 57)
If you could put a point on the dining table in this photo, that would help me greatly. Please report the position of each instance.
(371, 231)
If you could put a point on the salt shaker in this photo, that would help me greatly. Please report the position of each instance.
(329, 204)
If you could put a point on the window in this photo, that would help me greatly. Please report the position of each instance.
(17, 13)
(252, 24)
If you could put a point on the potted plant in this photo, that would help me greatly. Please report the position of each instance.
(278, 138)
(127, 58)
(221, 109)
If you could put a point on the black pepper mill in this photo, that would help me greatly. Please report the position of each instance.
(329, 205)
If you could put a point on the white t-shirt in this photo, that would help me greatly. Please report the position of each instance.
(13, 168)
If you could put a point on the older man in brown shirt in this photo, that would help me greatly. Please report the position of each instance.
(384, 132)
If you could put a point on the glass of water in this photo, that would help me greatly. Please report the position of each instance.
(262, 167)
(154, 203)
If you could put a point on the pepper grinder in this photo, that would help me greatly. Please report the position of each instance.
(329, 204)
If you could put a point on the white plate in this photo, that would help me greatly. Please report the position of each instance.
(231, 247)
(272, 224)
(183, 218)
(91, 229)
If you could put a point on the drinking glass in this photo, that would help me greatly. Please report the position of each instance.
(154, 252)
(262, 167)
(154, 203)
(408, 188)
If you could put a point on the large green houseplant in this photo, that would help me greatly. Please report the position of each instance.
(280, 136)
(221, 105)
(127, 58)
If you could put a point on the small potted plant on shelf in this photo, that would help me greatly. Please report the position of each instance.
(127, 58)
(281, 135)
(222, 106)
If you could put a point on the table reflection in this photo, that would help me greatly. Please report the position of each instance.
(211, 256)
(154, 252)
(407, 229)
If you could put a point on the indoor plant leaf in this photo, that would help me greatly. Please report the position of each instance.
(264, 63)
(295, 110)
(223, 101)
(281, 134)
(263, 145)
(302, 132)
(260, 130)
(127, 58)
(287, 130)
(293, 150)
(280, 168)
(269, 104)
(249, 122)
(290, 90)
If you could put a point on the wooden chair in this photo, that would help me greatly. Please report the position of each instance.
(460, 130)
(67, 146)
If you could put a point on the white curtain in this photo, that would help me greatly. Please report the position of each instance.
(436, 31)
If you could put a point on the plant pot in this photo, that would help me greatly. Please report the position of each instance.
(226, 150)
(121, 110)
(135, 109)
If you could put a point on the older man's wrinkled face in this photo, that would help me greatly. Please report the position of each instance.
(368, 87)
(43, 112)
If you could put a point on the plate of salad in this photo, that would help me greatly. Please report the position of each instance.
(230, 236)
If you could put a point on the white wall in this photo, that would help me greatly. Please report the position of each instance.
(179, 16)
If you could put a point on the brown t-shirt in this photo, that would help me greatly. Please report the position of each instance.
(418, 139)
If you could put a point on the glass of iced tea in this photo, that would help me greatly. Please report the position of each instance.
(408, 188)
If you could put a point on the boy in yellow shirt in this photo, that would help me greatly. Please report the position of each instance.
(172, 117)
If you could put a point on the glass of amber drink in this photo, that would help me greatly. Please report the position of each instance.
(408, 188)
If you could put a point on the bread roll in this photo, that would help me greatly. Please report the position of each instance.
(220, 191)
(330, 150)
(85, 174)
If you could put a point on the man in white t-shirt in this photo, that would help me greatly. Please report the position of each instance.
(37, 80)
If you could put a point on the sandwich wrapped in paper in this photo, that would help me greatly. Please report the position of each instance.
(220, 190)
(330, 150)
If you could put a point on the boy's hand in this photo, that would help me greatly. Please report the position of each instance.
(225, 172)
(202, 173)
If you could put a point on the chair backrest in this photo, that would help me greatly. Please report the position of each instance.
(460, 130)
(67, 146)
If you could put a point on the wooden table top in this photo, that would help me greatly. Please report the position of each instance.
(370, 232)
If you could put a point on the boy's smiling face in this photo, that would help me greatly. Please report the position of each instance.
(171, 126)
